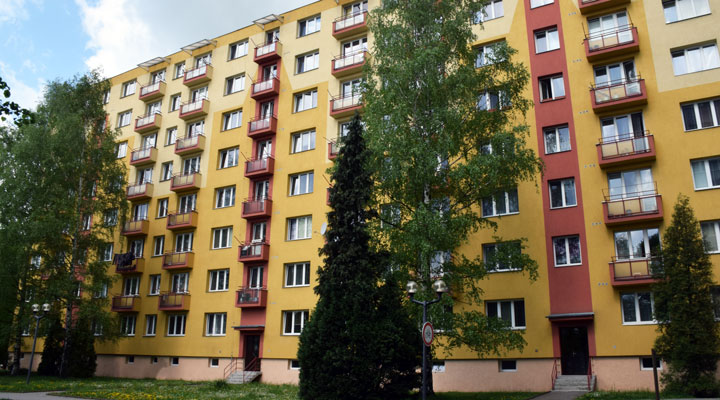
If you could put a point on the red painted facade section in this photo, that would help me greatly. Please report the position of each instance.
(569, 286)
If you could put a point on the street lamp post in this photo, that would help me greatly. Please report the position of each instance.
(38, 317)
(412, 287)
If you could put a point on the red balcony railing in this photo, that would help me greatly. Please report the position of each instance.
(268, 52)
(333, 150)
(136, 227)
(626, 149)
(611, 42)
(636, 203)
(134, 266)
(143, 156)
(255, 208)
(185, 181)
(618, 94)
(259, 167)
(182, 220)
(152, 91)
(626, 271)
(589, 6)
(349, 63)
(194, 109)
(250, 297)
(265, 89)
(190, 144)
(198, 75)
(345, 104)
(252, 252)
(178, 260)
(262, 126)
(126, 303)
(147, 123)
(350, 24)
(140, 191)
(174, 301)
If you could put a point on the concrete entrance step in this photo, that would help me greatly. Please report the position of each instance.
(240, 377)
(573, 383)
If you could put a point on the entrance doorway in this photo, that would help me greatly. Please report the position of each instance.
(252, 351)
(574, 350)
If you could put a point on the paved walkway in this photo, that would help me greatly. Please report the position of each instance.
(33, 396)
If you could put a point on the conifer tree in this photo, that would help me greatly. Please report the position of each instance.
(358, 343)
(689, 340)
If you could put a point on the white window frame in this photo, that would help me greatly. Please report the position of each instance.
(121, 149)
(128, 88)
(540, 3)
(697, 8)
(486, 54)
(228, 158)
(683, 63)
(127, 325)
(171, 136)
(178, 324)
(550, 40)
(235, 84)
(303, 141)
(225, 197)
(637, 320)
(131, 286)
(293, 228)
(305, 101)
(150, 324)
(237, 49)
(124, 118)
(179, 70)
(107, 252)
(563, 193)
(492, 247)
(222, 238)
(554, 84)
(232, 120)
(502, 369)
(566, 243)
(302, 315)
(307, 62)
(558, 133)
(302, 183)
(498, 304)
(714, 227)
(166, 171)
(493, 200)
(154, 288)
(295, 271)
(713, 104)
(158, 245)
(218, 280)
(494, 9)
(184, 242)
(213, 321)
(175, 102)
(162, 208)
(657, 359)
(311, 25)
(704, 164)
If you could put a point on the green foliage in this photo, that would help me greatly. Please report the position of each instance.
(52, 348)
(688, 340)
(354, 346)
(82, 359)
(10, 108)
(429, 143)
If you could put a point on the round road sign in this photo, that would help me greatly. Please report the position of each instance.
(427, 333)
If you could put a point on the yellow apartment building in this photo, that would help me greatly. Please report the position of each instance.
(228, 141)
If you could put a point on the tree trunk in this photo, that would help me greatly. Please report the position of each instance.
(15, 369)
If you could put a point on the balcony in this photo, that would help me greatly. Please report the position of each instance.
(350, 24)
(142, 157)
(257, 208)
(327, 196)
(172, 301)
(617, 95)
(626, 271)
(265, 89)
(345, 105)
(177, 260)
(194, 109)
(590, 6)
(129, 266)
(268, 52)
(348, 64)
(185, 182)
(261, 127)
(333, 150)
(148, 123)
(625, 150)
(190, 145)
(142, 191)
(125, 303)
(186, 220)
(136, 228)
(152, 91)
(198, 75)
(250, 298)
(639, 204)
(253, 252)
(611, 43)
(259, 167)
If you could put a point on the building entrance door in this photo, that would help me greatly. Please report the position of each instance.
(252, 351)
(574, 350)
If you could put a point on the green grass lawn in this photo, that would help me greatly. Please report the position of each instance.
(151, 389)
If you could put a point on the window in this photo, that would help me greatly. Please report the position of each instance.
(97, 328)
(637, 308)
(557, 139)
(100, 294)
(438, 366)
(232, 120)
(166, 171)
(127, 325)
(158, 245)
(183, 242)
(299, 228)
(179, 70)
(567, 250)
(111, 217)
(507, 365)
(609, 30)
(136, 247)
(222, 238)
(294, 364)
(106, 97)
(539, 3)
(128, 88)
(225, 197)
(306, 100)
(162, 208)
(255, 277)
(695, 59)
(215, 325)
(637, 244)
(297, 274)
(493, 9)
(485, 55)
(174, 361)
(235, 84)
(153, 360)
(510, 311)
(294, 321)
(171, 136)
(624, 127)
(678, 10)
(613, 74)
(715, 293)
(219, 280)
(562, 193)
(633, 183)
(502, 203)
(179, 283)
(176, 326)
(214, 362)
(187, 203)
(646, 363)
(140, 212)
(124, 118)
(258, 231)
(700, 115)
(547, 40)
(154, 285)
(131, 286)
(307, 62)
(552, 88)
(205, 59)
(492, 100)
(238, 49)
(150, 325)
(107, 253)
(175, 102)
(301, 183)
(121, 149)
(228, 158)
(308, 26)
(144, 176)
(303, 141)
(498, 256)
(711, 235)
